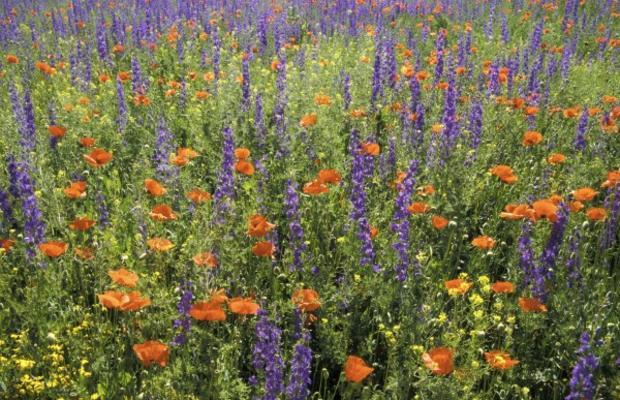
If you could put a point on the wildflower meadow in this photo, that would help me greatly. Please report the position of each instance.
(310, 199)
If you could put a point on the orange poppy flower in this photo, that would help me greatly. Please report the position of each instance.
(202, 95)
(315, 188)
(308, 120)
(218, 296)
(571, 112)
(356, 369)
(198, 196)
(45, 68)
(103, 78)
(123, 76)
(306, 299)
(439, 360)
(162, 212)
(123, 277)
(98, 158)
(152, 351)
(555, 199)
(322, 100)
(183, 156)
(607, 99)
(160, 244)
(518, 103)
(373, 232)
(53, 248)
(531, 110)
(154, 188)
(613, 178)
(82, 224)
(12, 59)
(503, 287)
(329, 176)
(457, 286)
(205, 259)
(398, 180)
(243, 306)
(77, 190)
(85, 253)
(556, 158)
(483, 242)
(241, 153)
(531, 138)
(545, 209)
(515, 212)
(6, 244)
(358, 113)
(87, 141)
(418, 207)
(263, 249)
(421, 75)
(584, 194)
(608, 125)
(258, 226)
(371, 149)
(500, 360)
(504, 173)
(57, 131)
(208, 311)
(575, 206)
(531, 305)
(596, 214)
(244, 167)
(427, 190)
(439, 222)
(114, 300)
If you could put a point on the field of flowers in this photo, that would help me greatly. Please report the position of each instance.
(310, 199)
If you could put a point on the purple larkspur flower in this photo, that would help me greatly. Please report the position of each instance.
(581, 384)
(357, 197)
(298, 387)
(121, 119)
(347, 91)
(183, 321)
(104, 212)
(164, 146)
(580, 136)
(400, 222)
(5, 209)
(547, 261)
(267, 360)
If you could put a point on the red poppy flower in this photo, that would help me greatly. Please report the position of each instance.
(503, 287)
(243, 306)
(306, 299)
(500, 360)
(439, 360)
(531, 305)
(57, 131)
(98, 158)
(154, 188)
(263, 249)
(205, 259)
(53, 248)
(152, 351)
(356, 369)
(123, 277)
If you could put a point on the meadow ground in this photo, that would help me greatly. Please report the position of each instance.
(296, 199)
